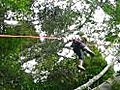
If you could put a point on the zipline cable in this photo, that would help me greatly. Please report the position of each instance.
(28, 36)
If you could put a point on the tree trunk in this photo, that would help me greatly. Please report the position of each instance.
(95, 78)
(107, 85)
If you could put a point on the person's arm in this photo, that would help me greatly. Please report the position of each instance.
(67, 41)
(68, 47)
(89, 51)
(86, 49)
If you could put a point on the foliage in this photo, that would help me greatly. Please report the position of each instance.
(116, 83)
(12, 76)
(15, 44)
(56, 19)
(114, 12)
(64, 75)
(20, 5)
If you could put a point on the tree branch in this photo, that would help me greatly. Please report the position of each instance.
(108, 82)
(95, 78)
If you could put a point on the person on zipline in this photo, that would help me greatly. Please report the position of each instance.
(80, 48)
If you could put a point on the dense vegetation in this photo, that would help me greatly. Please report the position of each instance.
(55, 22)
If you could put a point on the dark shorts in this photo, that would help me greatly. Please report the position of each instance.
(79, 53)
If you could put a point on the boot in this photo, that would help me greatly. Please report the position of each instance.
(81, 65)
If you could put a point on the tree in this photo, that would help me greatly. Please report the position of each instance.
(54, 21)
(12, 76)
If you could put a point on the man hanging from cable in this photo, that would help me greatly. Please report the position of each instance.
(80, 48)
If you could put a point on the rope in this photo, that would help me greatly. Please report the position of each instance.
(28, 36)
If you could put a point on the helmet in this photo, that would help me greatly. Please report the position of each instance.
(84, 38)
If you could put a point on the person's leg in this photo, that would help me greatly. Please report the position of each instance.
(81, 56)
(81, 64)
